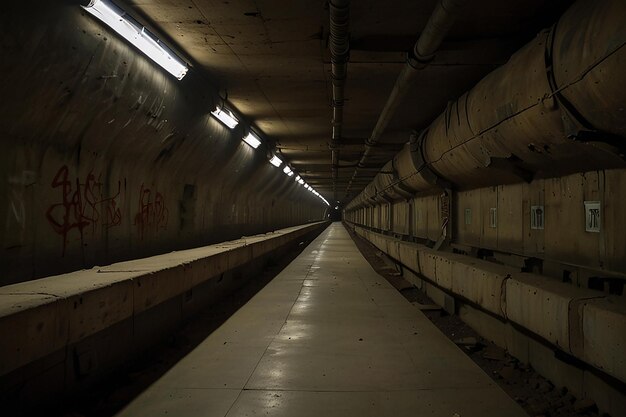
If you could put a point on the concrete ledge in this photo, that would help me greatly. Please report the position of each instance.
(584, 323)
(480, 282)
(542, 305)
(46, 315)
(604, 335)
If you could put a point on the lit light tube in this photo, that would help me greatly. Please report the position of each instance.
(301, 181)
(288, 171)
(225, 117)
(298, 178)
(252, 140)
(276, 161)
(131, 30)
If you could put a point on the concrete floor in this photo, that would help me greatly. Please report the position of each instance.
(328, 336)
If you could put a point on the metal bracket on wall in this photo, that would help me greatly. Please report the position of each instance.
(446, 216)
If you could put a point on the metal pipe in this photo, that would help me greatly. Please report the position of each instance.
(339, 43)
(550, 110)
(430, 39)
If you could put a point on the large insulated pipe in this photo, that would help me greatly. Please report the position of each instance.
(558, 106)
(339, 53)
(428, 43)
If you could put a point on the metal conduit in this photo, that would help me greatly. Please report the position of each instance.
(430, 39)
(339, 44)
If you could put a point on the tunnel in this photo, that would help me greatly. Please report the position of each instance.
(315, 207)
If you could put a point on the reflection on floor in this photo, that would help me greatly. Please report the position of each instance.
(328, 336)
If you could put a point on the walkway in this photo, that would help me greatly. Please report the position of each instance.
(327, 337)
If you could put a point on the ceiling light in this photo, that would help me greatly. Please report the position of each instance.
(298, 178)
(288, 171)
(226, 117)
(300, 181)
(135, 33)
(276, 161)
(252, 140)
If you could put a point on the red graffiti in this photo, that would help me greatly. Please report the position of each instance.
(152, 214)
(82, 204)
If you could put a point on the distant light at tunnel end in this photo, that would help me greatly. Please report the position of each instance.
(131, 30)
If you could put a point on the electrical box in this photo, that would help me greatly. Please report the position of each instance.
(537, 217)
(493, 217)
(592, 216)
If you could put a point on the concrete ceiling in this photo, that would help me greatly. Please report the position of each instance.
(272, 58)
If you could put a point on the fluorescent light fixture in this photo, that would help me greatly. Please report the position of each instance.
(288, 171)
(298, 178)
(301, 181)
(276, 161)
(135, 33)
(226, 117)
(252, 140)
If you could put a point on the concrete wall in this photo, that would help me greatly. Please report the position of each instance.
(106, 157)
(499, 219)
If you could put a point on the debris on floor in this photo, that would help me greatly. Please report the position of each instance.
(538, 396)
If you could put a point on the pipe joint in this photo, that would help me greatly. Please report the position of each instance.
(418, 62)
(370, 143)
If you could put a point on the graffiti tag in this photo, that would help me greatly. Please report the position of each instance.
(152, 213)
(82, 204)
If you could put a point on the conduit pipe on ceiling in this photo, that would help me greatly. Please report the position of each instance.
(555, 108)
(428, 43)
(339, 43)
